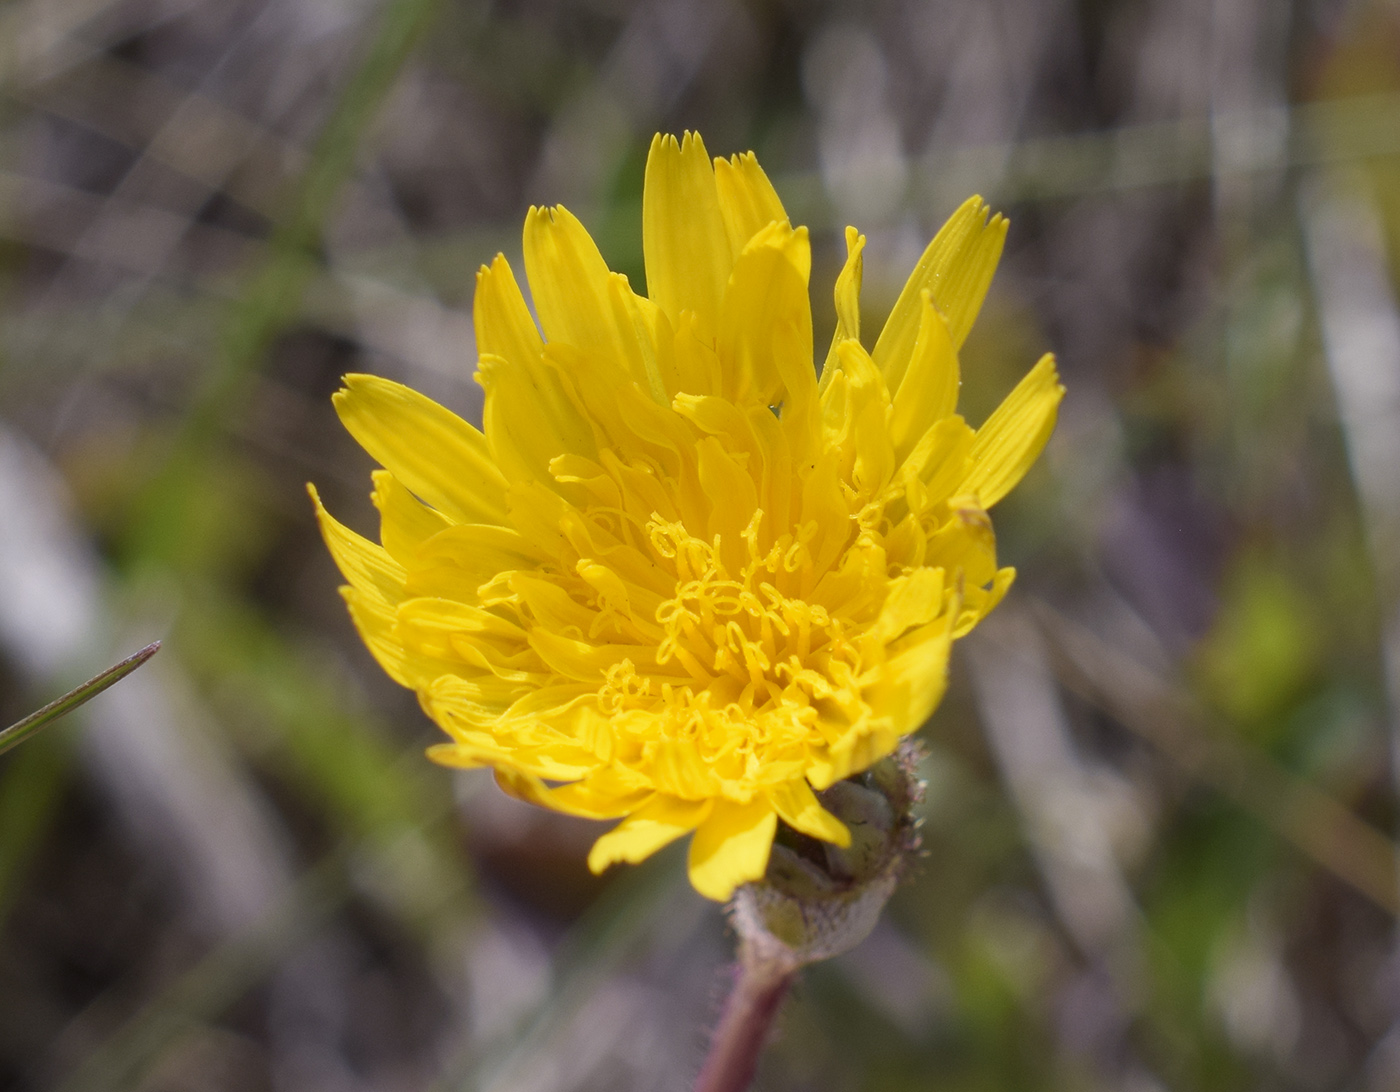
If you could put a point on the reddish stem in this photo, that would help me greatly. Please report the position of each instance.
(760, 984)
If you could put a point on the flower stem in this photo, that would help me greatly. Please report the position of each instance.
(761, 982)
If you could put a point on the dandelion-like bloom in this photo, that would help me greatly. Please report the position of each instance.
(676, 579)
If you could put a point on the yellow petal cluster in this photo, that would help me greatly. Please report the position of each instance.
(675, 579)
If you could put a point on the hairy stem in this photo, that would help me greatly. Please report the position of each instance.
(761, 982)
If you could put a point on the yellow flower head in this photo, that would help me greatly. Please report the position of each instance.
(677, 580)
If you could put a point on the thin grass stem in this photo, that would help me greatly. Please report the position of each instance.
(16, 734)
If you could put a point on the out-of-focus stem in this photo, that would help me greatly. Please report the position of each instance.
(761, 981)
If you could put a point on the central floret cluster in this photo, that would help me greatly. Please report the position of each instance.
(675, 578)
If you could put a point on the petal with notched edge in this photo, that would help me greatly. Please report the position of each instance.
(1013, 436)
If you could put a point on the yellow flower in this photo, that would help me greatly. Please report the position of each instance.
(677, 580)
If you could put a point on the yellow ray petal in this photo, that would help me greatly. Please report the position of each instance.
(767, 293)
(912, 600)
(847, 301)
(405, 522)
(374, 621)
(684, 239)
(825, 505)
(587, 799)
(966, 543)
(746, 198)
(607, 390)
(798, 807)
(436, 626)
(570, 284)
(863, 431)
(911, 684)
(594, 732)
(536, 512)
(456, 561)
(457, 703)
(524, 430)
(555, 763)
(731, 847)
(697, 366)
(859, 749)
(937, 466)
(431, 450)
(647, 357)
(530, 750)
(722, 475)
(551, 704)
(551, 607)
(1013, 436)
(587, 662)
(505, 331)
(503, 323)
(794, 437)
(657, 823)
(677, 767)
(928, 392)
(980, 602)
(369, 568)
(956, 269)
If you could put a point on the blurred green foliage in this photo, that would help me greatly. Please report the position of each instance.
(207, 215)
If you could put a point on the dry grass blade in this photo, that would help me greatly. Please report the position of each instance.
(16, 734)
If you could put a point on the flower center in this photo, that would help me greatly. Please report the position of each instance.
(744, 627)
(751, 669)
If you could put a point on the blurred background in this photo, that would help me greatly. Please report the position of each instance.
(1161, 794)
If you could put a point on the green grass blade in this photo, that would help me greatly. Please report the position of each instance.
(16, 734)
